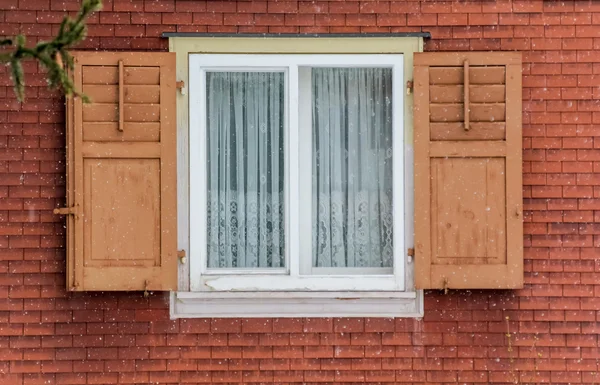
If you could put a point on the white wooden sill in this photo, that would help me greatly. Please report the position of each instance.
(296, 304)
(286, 283)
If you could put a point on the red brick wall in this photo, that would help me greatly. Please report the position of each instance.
(547, 332)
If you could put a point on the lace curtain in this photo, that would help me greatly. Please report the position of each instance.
(352, 167)
(245, 158)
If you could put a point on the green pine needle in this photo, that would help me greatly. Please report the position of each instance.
(50, 54)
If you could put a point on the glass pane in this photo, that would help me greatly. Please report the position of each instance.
(245, 160)
(352, 167)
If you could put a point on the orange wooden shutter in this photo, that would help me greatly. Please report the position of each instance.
(121, 174)
(468, 170)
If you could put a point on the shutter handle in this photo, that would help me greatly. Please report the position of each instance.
(466, 95)
(518, 212)
(121, 97)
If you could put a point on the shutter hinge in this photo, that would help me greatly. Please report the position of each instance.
(410, 253)
(66, 210)
(180, 85)
(410, 85)
(181, 256)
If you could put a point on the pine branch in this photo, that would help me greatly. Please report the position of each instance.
(53, 55)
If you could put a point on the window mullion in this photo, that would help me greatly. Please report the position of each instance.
(305, 172)
(293, 160)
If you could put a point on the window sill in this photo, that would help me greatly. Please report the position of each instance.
(296, 304)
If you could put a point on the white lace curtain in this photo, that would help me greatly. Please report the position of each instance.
(245, 115)
(352, 167)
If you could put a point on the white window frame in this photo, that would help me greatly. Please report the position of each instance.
(204, 293)
(296, 274)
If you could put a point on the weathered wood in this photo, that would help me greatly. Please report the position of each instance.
(478, 75)
(422, 214)
(103, 75)
(131, 112)
(468, 211)
(489, 93)
(450, 59)
(466, 114)
(468, 220)
(133, 132)
(133, 94)
(478, 112)
(478, 131)
(121, 97)
(457, 149)
(123, 206)
(122, 173)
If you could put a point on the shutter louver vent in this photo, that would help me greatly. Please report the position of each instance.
(468, 182)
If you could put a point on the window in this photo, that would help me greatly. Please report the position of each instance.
(287, 175)
(295, 177)
(296, 172)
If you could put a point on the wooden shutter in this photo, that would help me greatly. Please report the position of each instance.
(121, 175)
(468, 170)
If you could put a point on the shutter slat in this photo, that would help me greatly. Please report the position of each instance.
(132, 132)
(478, 75)
(147, 94)
(109, 74)
(478, 93)
(480, 112)
(122, 179)
(121, 149)
(468, 182)
(478, 131)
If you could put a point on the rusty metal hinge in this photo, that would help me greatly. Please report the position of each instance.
(65, 211)
(181, 256)
(180, 85)
(410, 85)
(73, 210)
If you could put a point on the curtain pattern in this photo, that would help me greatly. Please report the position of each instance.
(352, 167)
(245, 160)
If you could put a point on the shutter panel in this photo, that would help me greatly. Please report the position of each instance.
(121, 175)
(468, 170)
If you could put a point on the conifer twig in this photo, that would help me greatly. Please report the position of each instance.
(52, 54)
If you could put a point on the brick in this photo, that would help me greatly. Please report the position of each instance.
(208, 18)
(347, 325)
(452, 19)
(238, 19)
